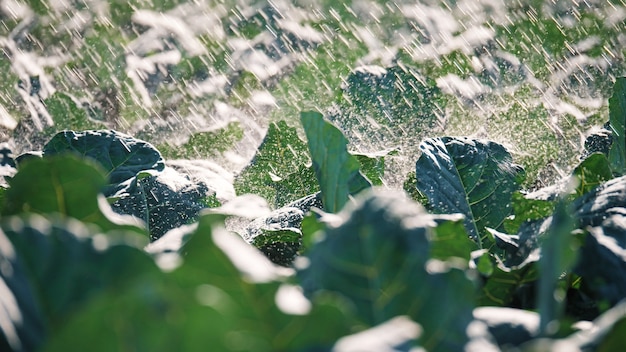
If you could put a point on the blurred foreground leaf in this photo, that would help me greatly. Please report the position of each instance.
(378, 256)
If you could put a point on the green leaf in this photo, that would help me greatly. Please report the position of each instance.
(508, 326)
(299, 183)
(449, 239)
(311, 227)
(337, 171)
(591, 172)
(508, 284)
(373, 166)
(225, 295)
(617, 122)
(162, 200)
(153, 314)
(377, 254)
(483, 262)
(121, 156)
(23, 327)
(558, 255)
(278, 171)
(471, 177)
(67, 264)
(602, 264)
(398, 103)
(62, 184)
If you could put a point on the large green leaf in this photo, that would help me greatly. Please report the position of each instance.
(602, 260)
(66, 264)
(617, 122)
(337, 171)
(471, 177)
(62, 184)
(378, 256)
(120, 155)
(383, 104)
(225, 296)
(600, 203)
(163, 200)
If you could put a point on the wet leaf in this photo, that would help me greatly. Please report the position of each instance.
(63, 184)
(121, 156)
(470, 177)
(377, 255)
(337, 171)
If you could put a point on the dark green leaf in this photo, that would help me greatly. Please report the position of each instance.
(300, 182)
(224, 295)
(602, 263)
(395, 103)
(599, 141)
(163, 200)
(483, 262)
(507, 287)
(247, 280)
(67, 264)
(617, 122)
(377, 255)
(558, 254)
(595, 206)
(280, 246)
(120, 155)
(471, 177)
(337, 171)
(62, 184)
(23, 323)
(508, 326)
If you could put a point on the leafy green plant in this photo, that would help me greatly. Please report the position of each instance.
(375, 256)
(470, 177)
(360, 267)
